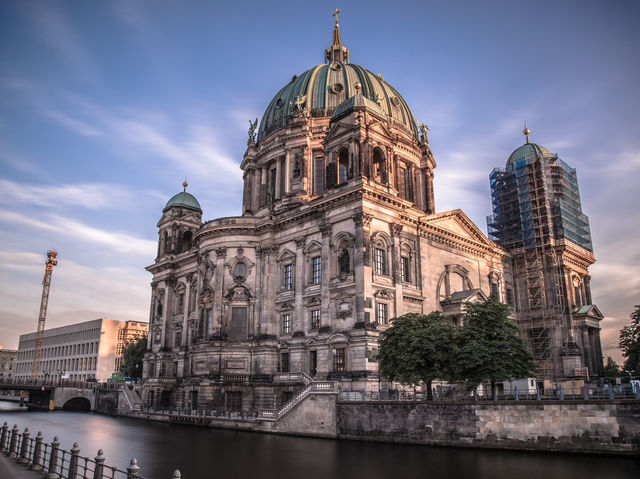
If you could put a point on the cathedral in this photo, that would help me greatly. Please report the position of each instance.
(339, 234)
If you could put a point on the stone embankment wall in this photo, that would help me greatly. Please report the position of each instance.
(594, 426)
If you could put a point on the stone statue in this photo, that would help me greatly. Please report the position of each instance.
(296, 169)
(424, 129)
(252, 130)
(343, 261)
(298, 106)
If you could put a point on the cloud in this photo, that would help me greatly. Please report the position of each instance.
(93, 196)
(120, 242)
(190, 145)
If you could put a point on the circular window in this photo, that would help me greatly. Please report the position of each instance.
(337, 88)
(395, 101)
(279, 103)
(240, 270)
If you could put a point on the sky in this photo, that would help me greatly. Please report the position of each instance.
(106, 107)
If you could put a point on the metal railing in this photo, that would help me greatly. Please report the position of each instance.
(601, 392)
(58, 463)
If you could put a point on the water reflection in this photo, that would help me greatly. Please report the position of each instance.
(202, 452)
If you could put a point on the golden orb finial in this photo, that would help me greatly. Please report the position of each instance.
(526, 132)
(357, 86)
(185, 184)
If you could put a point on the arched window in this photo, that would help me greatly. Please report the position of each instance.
(344, 172)
(164, 243)
(379, 166)
(186, 241)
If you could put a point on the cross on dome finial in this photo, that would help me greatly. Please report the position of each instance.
(337, 53)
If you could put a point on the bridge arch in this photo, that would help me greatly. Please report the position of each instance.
(77, 404)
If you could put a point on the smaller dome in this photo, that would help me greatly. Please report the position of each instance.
(527, 153)
(183, 200)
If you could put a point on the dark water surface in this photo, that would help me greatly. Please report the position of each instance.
(213, 453)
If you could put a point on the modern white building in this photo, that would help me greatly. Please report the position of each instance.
(76, 352)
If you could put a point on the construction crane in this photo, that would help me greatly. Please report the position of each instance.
(46, 285)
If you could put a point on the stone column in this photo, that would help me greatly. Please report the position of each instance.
(263, 186)
(586, 348)
(359, 266)
(287, 172)
(396, 231)
(187, 306)
(298, 313)
(218, 314)
(167, 310)
(325, 229)
(278, 194)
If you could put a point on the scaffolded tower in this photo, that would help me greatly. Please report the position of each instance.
(46, 285)
(537, 216)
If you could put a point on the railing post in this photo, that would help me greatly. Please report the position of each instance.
(176, 475)
(517, 393)
(97, 472)
(53, 459)
(24, 448)
(73, 462)
(561, 393)
(3, 437)
(586, 392)
(37, 451)
(14, 440)
(132, 470)
(538, 398)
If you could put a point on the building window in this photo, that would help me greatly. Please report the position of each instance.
(509, 297)
(405, 269)
(284, 362)
(286, 323)
(381, 313)
(340, 359)
(380, 261)
(238, 324)
(288, 277)
(315, 319)
(316, 270)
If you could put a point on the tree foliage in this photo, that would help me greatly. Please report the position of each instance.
(629, 342)
(489, 345)
(611, 369)
(417, 348)
(132, 356)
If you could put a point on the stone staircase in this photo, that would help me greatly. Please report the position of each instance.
(311, 387)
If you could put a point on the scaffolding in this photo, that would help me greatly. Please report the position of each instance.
(536, 203)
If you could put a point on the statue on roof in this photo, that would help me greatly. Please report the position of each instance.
(252, 130)
(299, 104)
(424, 131)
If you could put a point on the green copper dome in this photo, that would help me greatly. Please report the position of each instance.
(527, 153)
(183, 200)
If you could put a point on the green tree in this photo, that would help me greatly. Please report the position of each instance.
(132, 356)
(611, 369)
(629, 342)
(417, 348)
(490, 347)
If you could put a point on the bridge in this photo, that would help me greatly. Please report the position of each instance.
(70, 396)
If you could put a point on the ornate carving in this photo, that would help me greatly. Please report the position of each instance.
(424, 131)
(299, 105)
(383, 294)
(396, 229)
(221, 252)
(325, 228)
(366, 220)
(314, 301)
(300, 240)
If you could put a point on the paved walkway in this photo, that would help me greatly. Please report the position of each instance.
(10, 469)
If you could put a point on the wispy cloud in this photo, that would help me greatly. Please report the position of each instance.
(120, 242)
(93, 196)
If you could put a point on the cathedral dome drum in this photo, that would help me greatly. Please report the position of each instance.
(183, 200)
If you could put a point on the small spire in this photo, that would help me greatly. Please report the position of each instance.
(185, 184)
(526, 132)
(337, 52)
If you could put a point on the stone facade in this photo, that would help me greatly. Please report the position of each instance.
(338, 235)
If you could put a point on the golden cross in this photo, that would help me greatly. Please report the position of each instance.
(335, 14)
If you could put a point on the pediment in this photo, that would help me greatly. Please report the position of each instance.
(458, 223)
(589, 310)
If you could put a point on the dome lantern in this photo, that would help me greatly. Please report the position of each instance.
(337, 52)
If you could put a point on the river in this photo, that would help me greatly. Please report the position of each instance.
(207, 453)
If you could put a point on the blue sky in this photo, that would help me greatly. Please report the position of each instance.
(105, 108)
